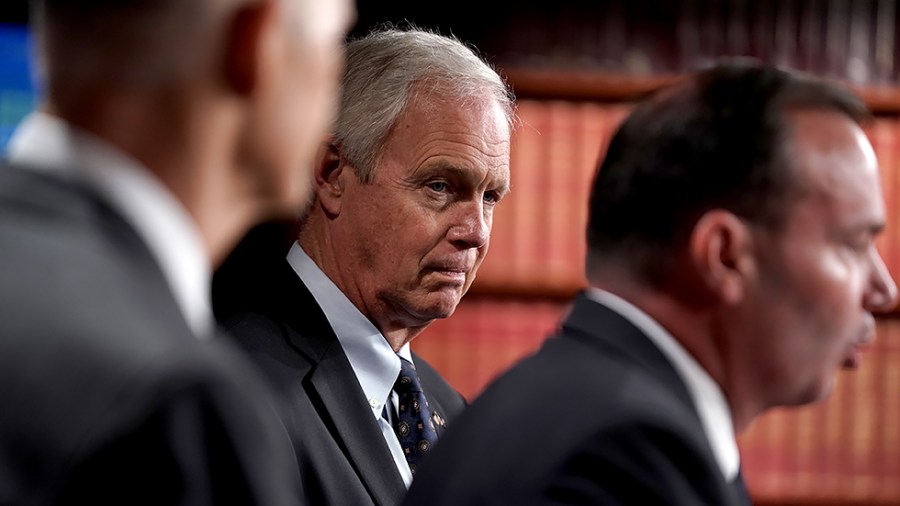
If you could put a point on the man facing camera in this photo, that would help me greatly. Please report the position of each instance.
(405, 191)
(732, 269)
(167, 130)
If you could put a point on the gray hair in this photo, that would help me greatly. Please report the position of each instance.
(382, 71)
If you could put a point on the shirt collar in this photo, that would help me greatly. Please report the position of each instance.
(710, 402)
(47, 143)
(373, 360)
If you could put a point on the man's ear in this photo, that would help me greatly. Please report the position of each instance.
(250, 46)
(329, 177)
(721, 251)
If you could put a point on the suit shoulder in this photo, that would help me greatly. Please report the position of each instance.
(565, 375)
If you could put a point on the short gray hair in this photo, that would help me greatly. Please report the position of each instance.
(384, 67)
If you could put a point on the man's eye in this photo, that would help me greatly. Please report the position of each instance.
(491, 198)
(438, 186)
(861, 246)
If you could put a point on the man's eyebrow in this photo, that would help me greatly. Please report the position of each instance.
(445, 167)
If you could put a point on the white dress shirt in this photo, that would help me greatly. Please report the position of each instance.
(715, 415)
(47, 143)
(373, 360)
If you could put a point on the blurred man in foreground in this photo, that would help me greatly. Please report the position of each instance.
(167, 130)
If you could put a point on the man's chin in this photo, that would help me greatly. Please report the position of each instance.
(820, 392)
(438, 306)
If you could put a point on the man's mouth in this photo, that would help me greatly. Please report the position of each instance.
(455, 275)
(853, 357)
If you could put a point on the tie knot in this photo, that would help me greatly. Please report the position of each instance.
(408, 380)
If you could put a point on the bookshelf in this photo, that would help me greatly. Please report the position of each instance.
(843, 451)
(537, 245)
(577, 68)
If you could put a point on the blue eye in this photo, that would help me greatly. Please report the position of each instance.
(438, 186)
(491, 198)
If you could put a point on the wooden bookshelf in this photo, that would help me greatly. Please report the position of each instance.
(538, 246)
(845, 451)
(576, 68)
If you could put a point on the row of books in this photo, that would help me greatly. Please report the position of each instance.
(485, 336)
(885, 136)
(844, 39)
(538, 240)
(845, 450)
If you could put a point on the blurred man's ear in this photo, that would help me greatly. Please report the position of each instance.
(720, 249)
(249, 46)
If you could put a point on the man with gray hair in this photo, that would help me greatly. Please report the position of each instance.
(168, 128)
(405, 189)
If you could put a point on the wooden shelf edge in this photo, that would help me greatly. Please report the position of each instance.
(582, 85)
(605, 87)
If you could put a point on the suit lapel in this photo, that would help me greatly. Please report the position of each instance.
(341, 403)
(356, 430)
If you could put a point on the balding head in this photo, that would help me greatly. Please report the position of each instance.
(142, 43)
(224, 97)
(133, 43)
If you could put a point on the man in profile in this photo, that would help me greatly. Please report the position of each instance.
(168, 129)
(405, 192)
(732, 269)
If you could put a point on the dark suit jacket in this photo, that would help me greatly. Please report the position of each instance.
(342, 454)
(107, 397)
(597, 416)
